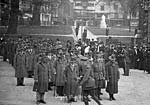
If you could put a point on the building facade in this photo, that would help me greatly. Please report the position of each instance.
(52, 12)
(56, 12)
(91, 11)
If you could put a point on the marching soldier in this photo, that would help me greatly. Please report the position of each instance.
(112, 77)
(72, 74)
(59, 66)
(41, 77)
(99, 73)
(88, 82)
(30, 54)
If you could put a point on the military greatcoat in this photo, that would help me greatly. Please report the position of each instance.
(112, 76)
(19, 65)
(30, 60)
(59, 66)
(41, 74)
(99, 73)
(71, 73)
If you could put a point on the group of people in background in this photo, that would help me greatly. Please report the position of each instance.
(73, 69)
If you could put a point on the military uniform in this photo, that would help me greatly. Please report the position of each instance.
(71, 74)
(60, 66)
(19, 65)
(41, 77)
(99, 75)
(88, 84)
(30, 54)
(112, 77)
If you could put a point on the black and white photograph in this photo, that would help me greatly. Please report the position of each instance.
(74, 52)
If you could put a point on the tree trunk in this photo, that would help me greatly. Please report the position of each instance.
(36, 12)
(13, 20)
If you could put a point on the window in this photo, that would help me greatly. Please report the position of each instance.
(91, 4)
(115, 7)
(78, 4)
(102, 8)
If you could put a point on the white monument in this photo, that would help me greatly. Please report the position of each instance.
(103, 22)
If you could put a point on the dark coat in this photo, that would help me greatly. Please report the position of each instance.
(148, 60)
(88, 81)
(99, 73)
(136, 58)
(59, 67)
(19, 65)
(41, 73)
(127, 63)
(71, 77)
(112, 75)
(30, 61)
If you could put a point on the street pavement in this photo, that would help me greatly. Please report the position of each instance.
(133, 90)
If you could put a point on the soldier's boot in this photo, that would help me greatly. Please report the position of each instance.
(110, 97)
(22, 81)
(37, 98)
(42, 98)
(99, 93)
(96, 100)
(113, 98)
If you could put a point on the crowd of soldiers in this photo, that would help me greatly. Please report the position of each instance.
(69, 66)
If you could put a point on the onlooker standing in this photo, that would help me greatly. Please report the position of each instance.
(127, 62)
(148, 59)
(136, 58)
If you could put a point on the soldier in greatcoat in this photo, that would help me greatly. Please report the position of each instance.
(99, 73)
(19, 65)
(88, 83)
(72, 74)
(41, 77)
(52, 71)
(30, 54)
(59, 66)
(112, 77)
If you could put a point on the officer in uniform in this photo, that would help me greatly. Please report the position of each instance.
(87, 82)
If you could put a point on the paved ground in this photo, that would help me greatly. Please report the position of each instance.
(133, 90)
